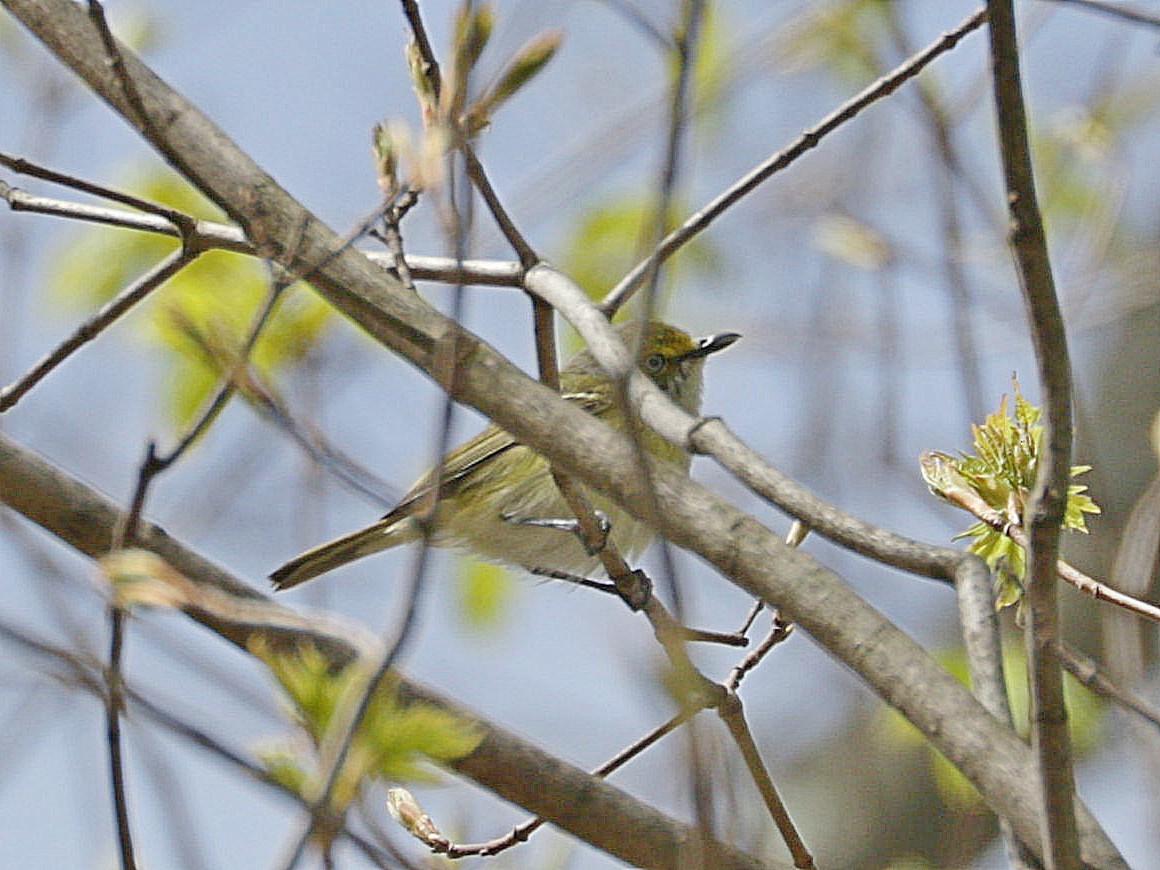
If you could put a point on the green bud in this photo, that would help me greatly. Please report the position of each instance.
(473, 26)
(524, 65)
(405, 810)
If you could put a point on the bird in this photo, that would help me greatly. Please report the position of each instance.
(497, 497)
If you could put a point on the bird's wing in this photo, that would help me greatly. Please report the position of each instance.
(457, 467)
(465, 459)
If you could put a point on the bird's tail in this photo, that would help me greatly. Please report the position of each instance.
(387, 532)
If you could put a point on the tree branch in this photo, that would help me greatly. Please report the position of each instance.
(990, 755)
(515, 770)
(1044, 514)
(701, 219)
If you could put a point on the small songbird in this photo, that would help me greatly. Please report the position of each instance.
(495, 490)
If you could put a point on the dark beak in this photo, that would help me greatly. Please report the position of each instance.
(712, 344)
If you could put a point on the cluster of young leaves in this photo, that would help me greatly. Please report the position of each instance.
(1002, 473)
(199, 317)
(452, 112)
(395, 740)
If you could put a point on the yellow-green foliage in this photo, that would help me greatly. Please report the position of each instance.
(1083, 710)
(394, 741)
(484, 594)
(608, 240)
(1002, 472)
(200, 317)
(843, 38)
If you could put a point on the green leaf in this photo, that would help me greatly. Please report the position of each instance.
(201, 316)
(485, 593)
(395, 740)
(608, 240)
(1002, 472)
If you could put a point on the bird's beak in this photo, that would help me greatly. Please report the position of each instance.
(712, 344)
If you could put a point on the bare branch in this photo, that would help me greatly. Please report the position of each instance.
(701, 219)
(94, 326)
(991, 756)
(179, 221)
(1044, 514)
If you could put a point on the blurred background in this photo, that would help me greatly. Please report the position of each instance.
(881, 318)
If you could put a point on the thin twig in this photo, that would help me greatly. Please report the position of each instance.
(1089, 674)
(393, 236)
(114, 703)
(701, 219)
(94, 326)
(684, 50)
(733, 715)
(142, 119)
(320, 451)
(125, 536)
(950, 169)
(521, 832)
(234, 373)
(336, 743)
(179, 221)
(778, 632)
(1044, 515)
(475, 171)
(977, 506)
(1116, 10)
(426, 52)
(207, 235)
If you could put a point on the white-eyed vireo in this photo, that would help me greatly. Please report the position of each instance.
(492, 484)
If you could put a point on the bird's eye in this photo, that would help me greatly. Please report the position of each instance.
(654, 363)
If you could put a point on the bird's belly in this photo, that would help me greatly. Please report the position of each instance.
(510, 542)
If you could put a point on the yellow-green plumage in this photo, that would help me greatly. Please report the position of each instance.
(492, 477)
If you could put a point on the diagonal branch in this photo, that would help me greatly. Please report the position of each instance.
(1044, 514)
(744, 550)
(515, 770)
(98, 323)
(701, 219)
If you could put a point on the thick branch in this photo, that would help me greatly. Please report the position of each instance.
(515, 770)
(991, 756)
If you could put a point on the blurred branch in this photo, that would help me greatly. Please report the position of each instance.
(743, 549)
(512, 768)
(98, 323)
(1124, 11)
(951, 172)
(1087, 672)
(701, 219)
(1044, 514)
(983, 645)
